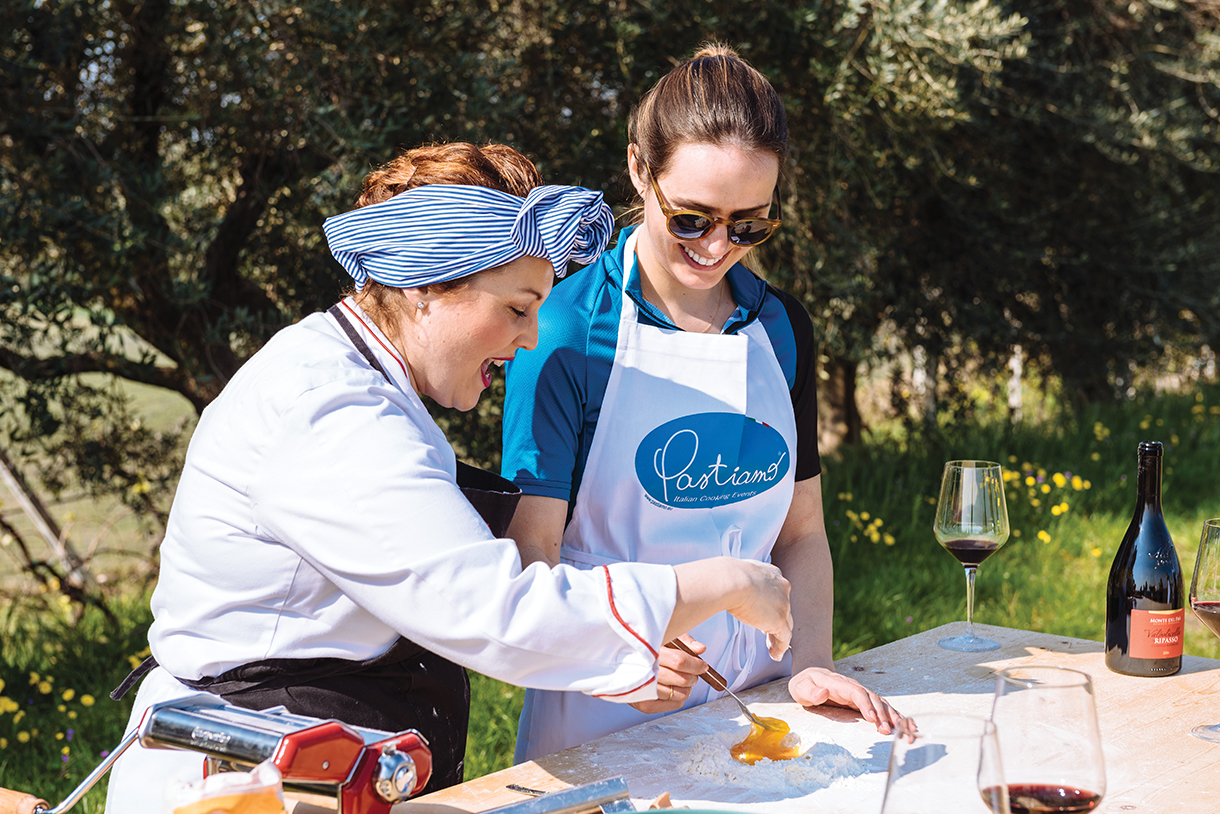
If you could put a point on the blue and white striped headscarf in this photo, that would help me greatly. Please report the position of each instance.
(440, 232)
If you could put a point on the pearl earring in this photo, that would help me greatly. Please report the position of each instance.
(419, 305)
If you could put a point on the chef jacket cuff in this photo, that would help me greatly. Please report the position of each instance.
(638, 600)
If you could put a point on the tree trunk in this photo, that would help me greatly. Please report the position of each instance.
(74, 567)
(839, 420)
(1016, 364)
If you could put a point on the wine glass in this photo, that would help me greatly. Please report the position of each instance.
(945, 762)
(1046, 721)
(971, 523)
(1205, 598)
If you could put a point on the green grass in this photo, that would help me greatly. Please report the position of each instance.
(57, 670)
(1050, 576)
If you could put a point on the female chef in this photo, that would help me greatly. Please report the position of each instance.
(319, 553)
(669, 412)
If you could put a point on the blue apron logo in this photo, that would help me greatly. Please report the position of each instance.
(709, 459)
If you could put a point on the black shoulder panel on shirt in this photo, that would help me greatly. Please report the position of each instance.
(804, 388)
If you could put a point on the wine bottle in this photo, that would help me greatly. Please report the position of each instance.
(1145, 600)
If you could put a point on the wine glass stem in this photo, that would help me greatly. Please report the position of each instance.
(970, 570)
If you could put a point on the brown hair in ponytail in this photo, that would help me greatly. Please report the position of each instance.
(715, 97)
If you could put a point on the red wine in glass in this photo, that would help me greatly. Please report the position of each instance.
(972, 552)
(1205, 599)
(971, 523)
(1209, 614)
(1036, 798)
(1046, 720)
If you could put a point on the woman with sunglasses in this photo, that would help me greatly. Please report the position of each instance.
(670, 410)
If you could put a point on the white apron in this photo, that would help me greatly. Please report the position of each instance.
(691, 458)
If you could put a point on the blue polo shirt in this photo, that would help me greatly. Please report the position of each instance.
(555, 391)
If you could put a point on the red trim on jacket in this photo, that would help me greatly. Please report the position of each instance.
(610, 596)
(373, 334)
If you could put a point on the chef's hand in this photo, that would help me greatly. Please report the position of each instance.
(815, 686)
(765, 604)
(676, 674)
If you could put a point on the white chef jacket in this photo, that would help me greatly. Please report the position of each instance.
(318, 515)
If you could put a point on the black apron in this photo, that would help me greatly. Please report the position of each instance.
(406, 687)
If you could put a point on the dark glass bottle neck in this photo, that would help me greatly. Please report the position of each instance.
(1148, 494)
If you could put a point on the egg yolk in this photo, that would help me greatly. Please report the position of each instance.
(775, 742)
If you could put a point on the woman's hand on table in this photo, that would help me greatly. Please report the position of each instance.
(677, 674)
(815, 686)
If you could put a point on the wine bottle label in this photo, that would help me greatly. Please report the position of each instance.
(1156, 634)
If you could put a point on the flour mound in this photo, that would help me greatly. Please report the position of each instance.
(815, 769)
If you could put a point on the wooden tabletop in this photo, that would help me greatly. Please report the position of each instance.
(1153, 764)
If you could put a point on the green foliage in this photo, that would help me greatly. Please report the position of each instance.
(57, 721)
(494, 710)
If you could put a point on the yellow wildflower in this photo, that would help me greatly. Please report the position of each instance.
(86, 700)
(1055, 510)
(865, 515)
(888, 538)
(45, 687)
(3, 743)
(1044, 536)
(61, 708)
(1045, 488)
(34, 679)
(1096, 456)
(69, 694)
(1060, 480)
(1016, 532)
(65, 750)
(23, 737)
(1096, 552)
(17, 718)
(1088, 484)
(59, 736)
(1077, 482)
(1030, 480)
